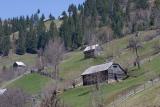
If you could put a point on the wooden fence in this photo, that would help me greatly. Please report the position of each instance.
(121, 98)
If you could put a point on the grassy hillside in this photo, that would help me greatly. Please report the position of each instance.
(32, 83)
(28, 59)
(74, 64)
(148, 98)
(81, 96)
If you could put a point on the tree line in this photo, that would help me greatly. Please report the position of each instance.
(31, 34)
(84, 21)
(79, 25)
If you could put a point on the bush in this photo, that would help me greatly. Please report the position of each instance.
(20, 52)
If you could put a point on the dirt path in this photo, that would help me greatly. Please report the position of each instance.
(4, 85)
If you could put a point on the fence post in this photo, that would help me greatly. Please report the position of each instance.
(125, 98)
(152, 82)
(134, 91)
(114, 102)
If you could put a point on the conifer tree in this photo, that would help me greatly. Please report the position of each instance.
(5, 43)
(20, 49)
(31, 41)
(41, 34)
(51, 17)
(53, 31)
(64, 29)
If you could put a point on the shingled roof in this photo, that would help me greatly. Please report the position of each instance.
(2, 91)
(91, 47)
(97, 68)
(20, 63)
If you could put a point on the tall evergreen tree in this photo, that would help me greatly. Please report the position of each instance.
(53, 31)
(31, 41)
(41, 34)
(64, 29)
(20, 49)
(42, 17)
(117, 19)
(5, 35)
(51, 17)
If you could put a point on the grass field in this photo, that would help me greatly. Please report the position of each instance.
(148, 98)
(32, 83)
(81, 96)
(75, 64)
(28, 59)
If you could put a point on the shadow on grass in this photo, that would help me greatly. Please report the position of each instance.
(101, 59)
(84, 93)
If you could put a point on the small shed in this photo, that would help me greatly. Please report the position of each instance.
(2, 91)
(103, 73)
(92, 51)
(19, 64)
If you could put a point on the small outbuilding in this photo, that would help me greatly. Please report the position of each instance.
(103, 73)
(92, 51)
(19, 64)
(2, 91)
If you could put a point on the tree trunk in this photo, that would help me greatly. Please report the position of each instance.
(137, 57)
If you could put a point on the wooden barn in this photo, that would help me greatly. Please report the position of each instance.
(92, 51)
(103, 73)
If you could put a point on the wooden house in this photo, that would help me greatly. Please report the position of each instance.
(92, 51)
(103, 73)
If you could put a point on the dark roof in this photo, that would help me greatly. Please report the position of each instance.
(97, 68)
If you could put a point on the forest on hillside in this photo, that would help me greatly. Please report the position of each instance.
(88, 23)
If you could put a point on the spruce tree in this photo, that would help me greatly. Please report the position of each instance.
(51, 17)
(20, 49)
(5, 43)
(53, 31)
(64, 29)
(41, 34)
(1, 33)
(31, 41)
(117, 19)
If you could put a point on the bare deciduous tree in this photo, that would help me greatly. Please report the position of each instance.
(97, 95)
(53, 55)
(51, 98)
(6, 74)
(105, 34)
(156, 46)
(14, 98)
(40, 60)
(135, 44)
(90, 37)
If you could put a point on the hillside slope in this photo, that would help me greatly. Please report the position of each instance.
(74, 64)
(148, 98)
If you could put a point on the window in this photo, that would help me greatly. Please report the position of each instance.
(114, 66)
